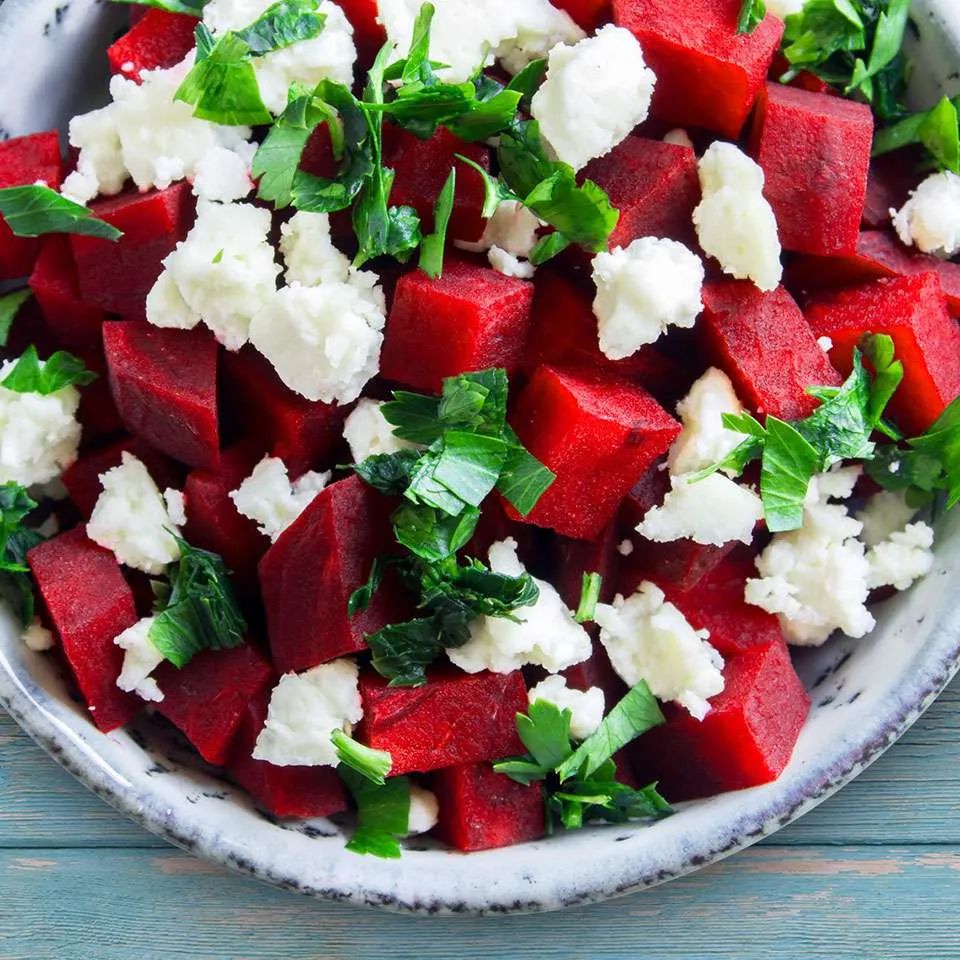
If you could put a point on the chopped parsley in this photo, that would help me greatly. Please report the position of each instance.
(60, 370)
(589, 596)
(193, 8)
(936, 130)
(16, 540)
(431, 247)
(751, 15)
(383, 813)
(34, 210)
(10, 304)
(373, 765)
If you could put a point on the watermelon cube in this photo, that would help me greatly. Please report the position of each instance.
(598, 435)
(588, 14)
(815, 153)
(913, 311)
(164, 383)
(471, 318)
(708, 75)
(368, 34)
(26, 160)
(90, 604)
(208, 699)
(117, 276)
(764, 344)
(481, 809)
(746, 739)
(157, 41)
(454, 718)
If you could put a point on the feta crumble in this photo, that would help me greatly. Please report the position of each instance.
(642, 290)
(648, 638)
(784, 8)
(594, 94)
(904, 557)
(585, 706)
(140, 659)
(930, 219)
(223, 175)
(38, 638)
(424, 810)
(625, 548)
(679, 138)
(547, 634)
(825, 344)
(369, 434)
(735, 223)
(508, 239)
(883, 514)
(304, 710)
(309, 253)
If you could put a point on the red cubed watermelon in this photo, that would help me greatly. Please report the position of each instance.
(481, 809)
(764, 344)
(588, 14)
(164, 383)
(708, 74)
(208, 699)
(598, 435)
(746, 739)
(815, 153)
(454, 718)
(913, 311)
(158, 40)
(117, 276)
(368, 34)
(89, 604)
(471, 318)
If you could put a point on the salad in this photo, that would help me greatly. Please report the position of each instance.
(450, 415)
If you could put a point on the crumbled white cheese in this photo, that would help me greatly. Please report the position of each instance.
(784, 8)
(704, 439)
(304, 710)
(883, 514)
(223, 175)
(140, 659)
(509, 265)
(176, 506)
(222, 274)
(39, 435)
(424, 810)
(930, 219)
(735, 223)
(268, 497)
(585, 706)
(625, 548)
(825, 344)
(38, 638)
(642, 290)
(594, 94)
(508, 239)
(547, 634)
(308, 252)
(679, 138)
(537, 28)
(369, 434)
(131, 518)
(905, 556)
(714, 510)
(649, 639)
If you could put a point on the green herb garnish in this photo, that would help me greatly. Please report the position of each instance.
(751, 15)
(193, 8)
(60, 370)
(35, 210)
(589, 597)
(10, 305)
(16, 540)
(937, 130)
(373, 765)
(432, 246)
(383, 814)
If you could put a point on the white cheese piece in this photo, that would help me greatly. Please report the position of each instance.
(679, 138)
(714, 510)
(883, 514)
(368, 434)
(222, 274)
(140, 659)
(704, 439)
(424, 810)
(224, 175)
(825, 344)
(38, 638)
(547, 634)
(509, 265)
(735, 223)
(39, 435)
(905, 556)
(131, 519)
(930, 219)
(537, 28)
(585, 706)
(649, 639)
(625, 548)
(508, 239)
(304, 710)
(642, 290)
(594, 94)
(309, 253)
(268, 497)
(784, 8)
(176, 506)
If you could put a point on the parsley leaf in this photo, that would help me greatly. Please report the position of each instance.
(545, 731)
(34, 210)
(373, 765)
(788, 465)
(751, 15)
(16, 540)
(523, 478)
(61, 370)
(10, 305)
(193, 8)
(938, 130)
(388, 473)
(403, 651)
(589, 596)
(431, 247)
(383, 814)
(282, 25)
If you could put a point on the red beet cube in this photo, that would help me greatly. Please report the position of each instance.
(117, 276)
(891, 178)
(283, 791)
(164, 383)
(471, 318)
(158, 40)
(368, 35)
(90, 604)
(598, 435)
(815, 153)
(307, 577)
(481, 810)
(208, 698)
(764, 344)
(746, 739)
(588, 14)
(26, 160)
(454, 718)
(913, 311)
(708, 75)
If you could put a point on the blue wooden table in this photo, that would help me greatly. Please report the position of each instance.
(873, 873)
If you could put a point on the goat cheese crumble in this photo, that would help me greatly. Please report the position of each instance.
(930, 219)
(883, 514)
(369, 434)
(310, 256)
(424, 810)
(140, 659)
(704, 440)
(508, 239)
(902, 558)
(38, 638)
(585, 706)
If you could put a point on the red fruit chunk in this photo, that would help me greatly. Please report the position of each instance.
(762, 342)
(913, 311)
(164, 383)
(283, 791)
(804, 80)
(89, 603)
(815, 153)
(117, 276)
(208, 698)
(746, 739)
(708, 75)
(891, 178)
(368, 35)
(573, 558)
(598, 435)
(25, 160)
(158, 40)
(307, 577)
(481, 810)
(588, 14)
(454, 718)
(97, 413)
(471, 318)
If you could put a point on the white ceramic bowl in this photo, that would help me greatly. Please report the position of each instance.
(865, 693)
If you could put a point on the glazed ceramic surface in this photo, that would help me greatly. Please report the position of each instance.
(865, 693)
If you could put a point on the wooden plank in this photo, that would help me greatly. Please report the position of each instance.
(819, 903)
